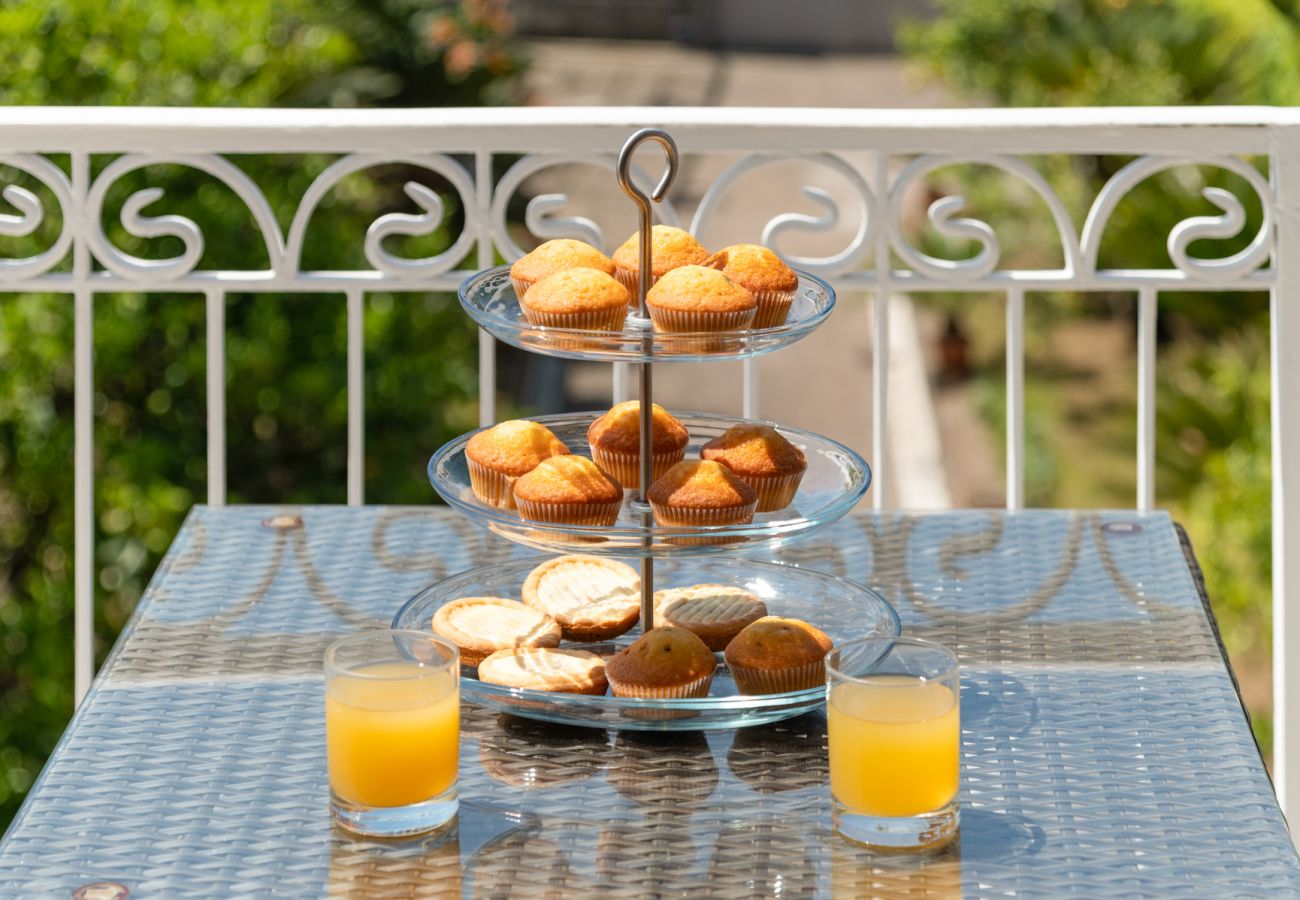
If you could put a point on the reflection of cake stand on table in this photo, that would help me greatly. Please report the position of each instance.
(835, 480)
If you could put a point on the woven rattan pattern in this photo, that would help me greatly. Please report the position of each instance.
(1104, 747)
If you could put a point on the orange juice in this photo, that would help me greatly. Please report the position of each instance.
(392, 738)
(894, 745)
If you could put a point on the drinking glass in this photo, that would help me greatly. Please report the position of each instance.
(895, 737)
(392, 731)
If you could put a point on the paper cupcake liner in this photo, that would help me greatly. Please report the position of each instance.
(521, 287)
(697, 688)
(570, 513)
(685, 517)
(628, 278)
(778, 681)
(491, 486)
(588, 320)
(679, 320)
(626, 467)
(773, 308)
(774, 491)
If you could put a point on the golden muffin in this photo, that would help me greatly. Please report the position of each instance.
(480, 626)
(569, 489)
(715, 613)
(763, 274)
(592, 599)
(670, 247)
(545, 669)
(697, 493)
(497, 456)
(774, 654)
(556, 256)
(615, 440)
(697, 298)
(662, 663)
(576, 298)
(761, 458)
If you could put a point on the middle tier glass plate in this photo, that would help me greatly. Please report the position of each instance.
(835, 481)
(489, 298)
(844, 610)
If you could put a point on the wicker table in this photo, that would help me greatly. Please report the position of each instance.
(1105, 750)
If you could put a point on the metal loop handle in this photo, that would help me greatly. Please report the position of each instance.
(663, 139)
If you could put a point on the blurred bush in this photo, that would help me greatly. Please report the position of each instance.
(1213, 425)
(287, 421)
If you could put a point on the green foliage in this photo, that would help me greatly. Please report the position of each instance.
(196, 53)
(1113, 52)
(1213, 421)
(1213, 428)
(286, 404)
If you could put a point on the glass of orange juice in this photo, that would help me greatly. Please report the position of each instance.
(895, 742)
(392, 731)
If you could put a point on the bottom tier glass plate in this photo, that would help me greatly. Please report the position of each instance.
(844, 610)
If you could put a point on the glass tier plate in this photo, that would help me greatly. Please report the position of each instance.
(490, 300)
(835, 481)
(844, 610)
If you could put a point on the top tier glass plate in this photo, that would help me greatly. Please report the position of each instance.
(835, 480)
(490, 300)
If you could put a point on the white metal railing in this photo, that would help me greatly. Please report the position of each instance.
(878, 153)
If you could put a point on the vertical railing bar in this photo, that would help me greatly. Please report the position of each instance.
(880, 335)
(487, 348)
(356, 397)
(83, 491)
(1284, 412)
(215, 348)
(749, 395)
(83, 353)
(1146, 437)
(1015, 398)
(622, 373)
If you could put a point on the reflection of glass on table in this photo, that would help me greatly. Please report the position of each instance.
(866, 874)
(894, 737)
(423, 866)
(392, 731)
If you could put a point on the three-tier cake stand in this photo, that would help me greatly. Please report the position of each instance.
(836, 479)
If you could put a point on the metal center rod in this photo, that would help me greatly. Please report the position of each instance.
(646, 468)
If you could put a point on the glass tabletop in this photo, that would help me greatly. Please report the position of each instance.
(196, 765)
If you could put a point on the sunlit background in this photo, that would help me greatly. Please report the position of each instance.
(287, 423)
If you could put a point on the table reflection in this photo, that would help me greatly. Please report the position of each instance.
(426, 866)
(783, 756)
(533, 755)
(675, 772)
(764, 858)
(862, 873)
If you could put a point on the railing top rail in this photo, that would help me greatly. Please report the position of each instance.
(521, 129)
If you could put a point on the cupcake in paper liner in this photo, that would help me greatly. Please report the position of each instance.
(762, 458)
(670, 248)
(696, 299)
(571, 490)
(556, 256)
(774, 654)
(763, 274)
(496, 458)
(582, 298)
(665, 663)
(701, 494)
(615, 440)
